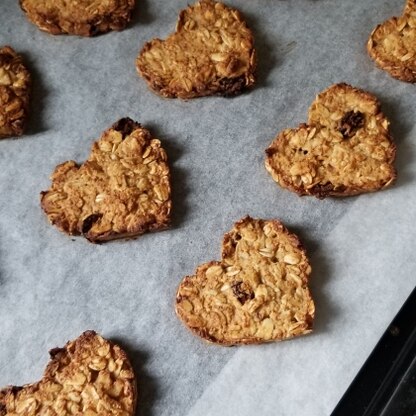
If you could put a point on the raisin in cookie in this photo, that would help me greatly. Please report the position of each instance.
(345, 149)
(81, 17)
(88, 376)
(122, 190)
(392, 44)
(15, 85)
(211, 53)
(257, 293)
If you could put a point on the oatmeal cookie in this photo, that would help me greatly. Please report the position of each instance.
(257, 293)
(122, 190)
(211, 53)
(81, 17)
(15, 85)
(88, 376)
(392, 44)
(345, 149)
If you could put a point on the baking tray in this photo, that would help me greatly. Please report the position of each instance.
(386, 384)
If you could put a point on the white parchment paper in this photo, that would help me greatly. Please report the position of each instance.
(53, 287)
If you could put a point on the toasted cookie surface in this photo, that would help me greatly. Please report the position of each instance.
(345, 149)
(257, 293)
(15, 85)
(392, 44)
(81, 17)
(211, 53)
(122, 190)
(89, 376)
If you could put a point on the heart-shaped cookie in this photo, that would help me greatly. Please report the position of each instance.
(90, 376)
(122, 190)
(80, 17)
(15, 84)
(257, 293)
(211, 53)
(345, 149)
(392, 44)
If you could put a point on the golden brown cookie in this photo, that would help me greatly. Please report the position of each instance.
(89, 376)
(211, 53)
(257, 293)
(392, 44)
(122, 190)
(15, 85)
(81, 17)
(345, 149)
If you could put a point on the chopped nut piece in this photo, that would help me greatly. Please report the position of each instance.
(68, 387)
(81, 17)
(268, 300)
(392, 44)
(211, 53)
(114, 194)
(15, 85)
(345, 149)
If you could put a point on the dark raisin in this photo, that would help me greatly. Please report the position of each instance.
(125, 126)
(231, 86)
(16, 389)
(6, 59)
(55, 351)
(94, 30)
(271, 151)
(89, 222)
(322, 190)
(350, 123)
(243, 295)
